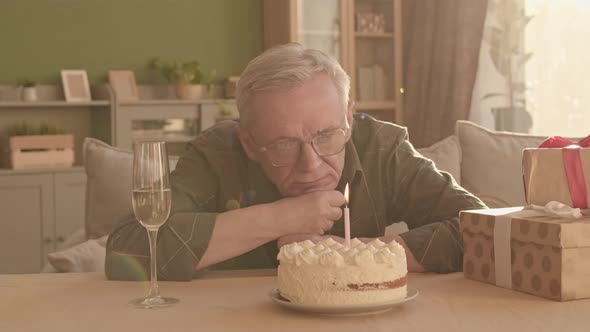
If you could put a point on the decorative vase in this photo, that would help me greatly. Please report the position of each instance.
(29, 94)
(187, 91)
(515, 119)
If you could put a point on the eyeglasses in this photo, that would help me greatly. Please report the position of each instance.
(287, 151)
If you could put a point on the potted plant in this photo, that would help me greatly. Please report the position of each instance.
(187, 77)
(29, 90)
(504, 38)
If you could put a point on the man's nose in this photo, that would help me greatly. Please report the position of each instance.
(308, 158)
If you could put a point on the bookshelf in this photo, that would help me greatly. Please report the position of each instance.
(364, 35)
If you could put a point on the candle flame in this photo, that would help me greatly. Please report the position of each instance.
(346, 193)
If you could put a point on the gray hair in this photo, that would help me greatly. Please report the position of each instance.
(287, 66)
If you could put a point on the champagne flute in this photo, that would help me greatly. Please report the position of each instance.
(151, 206)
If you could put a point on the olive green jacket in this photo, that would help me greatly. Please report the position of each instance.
(389, 182)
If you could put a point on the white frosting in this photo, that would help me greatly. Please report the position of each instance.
(318, 248)
(355, 242)
(336, 246)
(377, 243)
(306, 256)
(376, 252)
(372, 249)
(306, 244)
(323, 273)
(364, 258)
(332, 258)
(329, 242)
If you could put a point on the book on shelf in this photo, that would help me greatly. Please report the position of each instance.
(371, 83)
(379, 82)
(366, 87)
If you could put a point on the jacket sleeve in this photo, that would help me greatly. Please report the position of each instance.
(429, 201)
(182, 240)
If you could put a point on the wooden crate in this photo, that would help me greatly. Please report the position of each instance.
(41, 151)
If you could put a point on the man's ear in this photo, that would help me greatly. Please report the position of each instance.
(349, 117)
(246, 142)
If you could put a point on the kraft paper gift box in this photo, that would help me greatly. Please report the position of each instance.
(559, 170)
(531, 253)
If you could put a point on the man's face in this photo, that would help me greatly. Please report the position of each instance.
(300, 112)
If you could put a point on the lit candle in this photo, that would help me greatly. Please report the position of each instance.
(346, 220)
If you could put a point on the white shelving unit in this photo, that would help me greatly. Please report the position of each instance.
(107, 118)
(82, 119)
(156, 103)
(51, 104)
(42, 207)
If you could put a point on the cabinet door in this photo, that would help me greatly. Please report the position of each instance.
(26, 221)
(324, 25)
(377, 58)
(319, 26)
(130, 121)
(70, 193)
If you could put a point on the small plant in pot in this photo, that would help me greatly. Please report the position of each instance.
(29, 90)
(187, 77)
(26, 129)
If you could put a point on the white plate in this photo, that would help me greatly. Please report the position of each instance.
(342, 309)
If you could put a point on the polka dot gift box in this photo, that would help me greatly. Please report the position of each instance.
(528, 251)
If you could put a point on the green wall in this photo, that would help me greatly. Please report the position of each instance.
(38, 38)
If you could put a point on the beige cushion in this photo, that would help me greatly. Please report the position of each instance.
(108, 187)
(446, 155)
(491, 166)
(87, 256)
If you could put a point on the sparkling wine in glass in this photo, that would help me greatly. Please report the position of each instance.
(151, 205)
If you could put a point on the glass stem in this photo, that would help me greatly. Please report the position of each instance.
(154, 290)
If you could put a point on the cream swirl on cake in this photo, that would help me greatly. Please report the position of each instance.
(329, 273)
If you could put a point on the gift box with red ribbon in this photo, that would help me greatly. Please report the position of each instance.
(559, 170)
(529, 250)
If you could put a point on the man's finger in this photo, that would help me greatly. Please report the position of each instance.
(336, 198)
(335, 213)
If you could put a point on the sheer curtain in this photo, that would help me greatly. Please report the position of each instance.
(557, 76)
(559, 72)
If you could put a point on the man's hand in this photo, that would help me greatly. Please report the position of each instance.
(312, 213)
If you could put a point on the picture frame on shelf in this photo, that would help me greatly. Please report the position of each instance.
(123, 84)
(75, 84)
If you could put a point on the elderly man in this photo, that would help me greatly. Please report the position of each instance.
(242, 190)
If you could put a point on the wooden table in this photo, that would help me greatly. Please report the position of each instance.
(239, 301)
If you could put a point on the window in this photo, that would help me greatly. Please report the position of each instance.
(552, 87)
(559, 72)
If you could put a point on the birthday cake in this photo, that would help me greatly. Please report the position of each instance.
(330, 273)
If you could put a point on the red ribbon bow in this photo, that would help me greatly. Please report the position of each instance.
(573, 166)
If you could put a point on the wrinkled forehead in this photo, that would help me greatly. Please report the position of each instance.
(296, 112)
